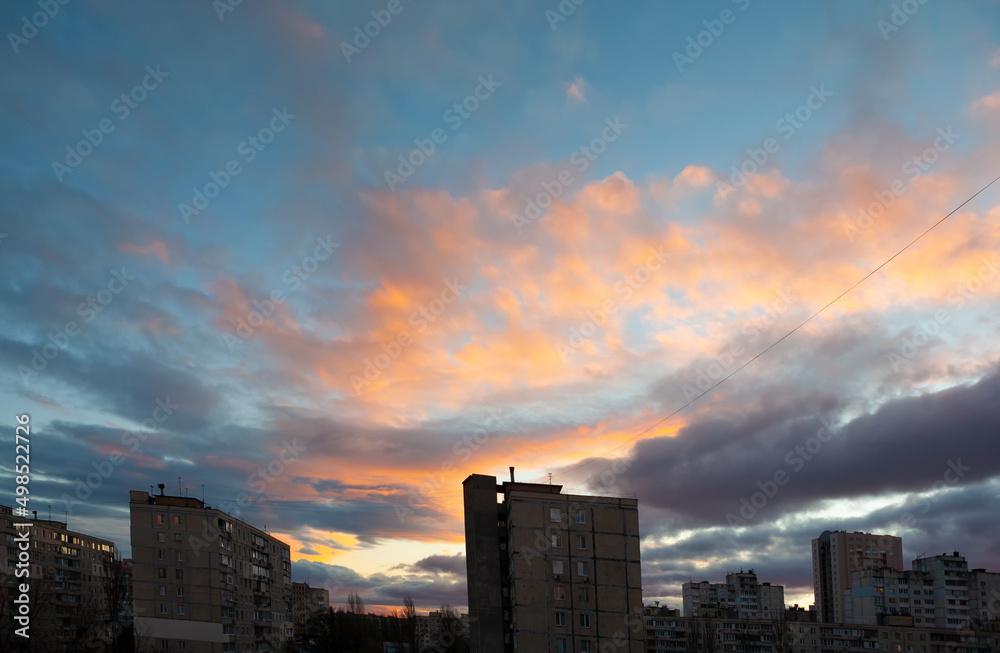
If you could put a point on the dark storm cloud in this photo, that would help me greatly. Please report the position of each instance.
(704, 473)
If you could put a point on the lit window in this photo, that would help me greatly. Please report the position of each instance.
(555, 515)
(177, 520)
(161, 518)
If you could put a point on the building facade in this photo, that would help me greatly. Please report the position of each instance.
(307, 601)
(748, 598)
(66, 573)
(949, 582)
(838, 554)
(551, 572)
(204, 581)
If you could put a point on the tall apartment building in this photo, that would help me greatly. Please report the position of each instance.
(741, 593)
(836, 555)
(307, 601)
(206, 582)
(435, 633)
(66, 569)
(949, 579)
(984, 597)
(885, 596)
(551, 572)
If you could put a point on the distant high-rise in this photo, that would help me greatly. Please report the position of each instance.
(836, 555)
(549, 571)
(204, 581)
(741, 593)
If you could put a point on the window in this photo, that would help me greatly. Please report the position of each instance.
(180, 591)
(177, 520)
(584, 621)
(585, 646)
(161, 537)
(582, 570)
(584, 594)
(560, 646)
(581, 541)
(161, 555)
(581, 516)
(161, 572)
(179, 574)
(557, 567)
(161, 518)
(178, 539)
(164, 645)
(180, 609)
(163, 608)
(559, 593)
(555, 515)
(560, 618)
(556, 541)
(181, 646)
(180, 556)
(163, 590)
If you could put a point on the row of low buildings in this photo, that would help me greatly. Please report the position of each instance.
(552, 572)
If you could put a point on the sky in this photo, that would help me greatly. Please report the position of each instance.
(323, 260)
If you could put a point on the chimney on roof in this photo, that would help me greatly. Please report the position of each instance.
(511, 474)
(161, 486)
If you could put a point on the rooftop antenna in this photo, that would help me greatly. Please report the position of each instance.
(178, 486)
(203, 493)
(50, 512)
(550, 478)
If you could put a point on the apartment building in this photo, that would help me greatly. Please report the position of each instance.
(551, 572)
(949, 580)
(204, 581)
(838, 554)
(436, 631)
(307, 601)
(748, 598)
(984, 597)
(66, 572)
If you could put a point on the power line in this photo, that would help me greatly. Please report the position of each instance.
(779, 340)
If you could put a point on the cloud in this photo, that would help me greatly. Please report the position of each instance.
(576, 89)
